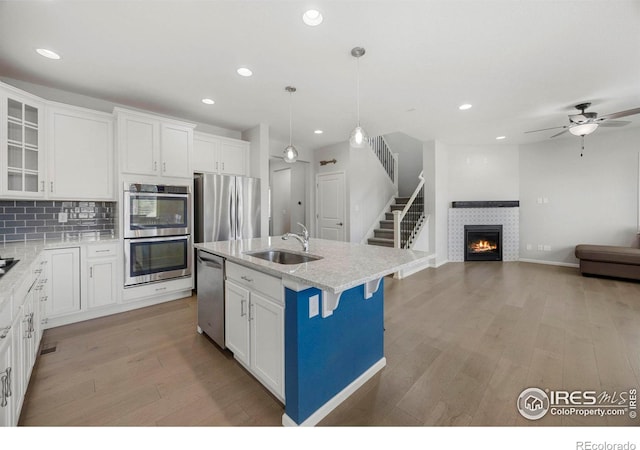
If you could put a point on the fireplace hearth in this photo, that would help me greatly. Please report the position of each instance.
(483, 242)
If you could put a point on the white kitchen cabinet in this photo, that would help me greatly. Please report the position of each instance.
(63, 273)
(152, 145)
(254, 324)
(101, 270)
(80, 154)
(6, 382)
(236, 321)
(216, 154)
(7, 372)
(21, 150)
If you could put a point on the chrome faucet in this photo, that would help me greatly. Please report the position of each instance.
(303, 238)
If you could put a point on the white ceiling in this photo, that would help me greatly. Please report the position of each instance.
(522, 64)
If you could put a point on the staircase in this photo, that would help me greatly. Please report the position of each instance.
(383, 236)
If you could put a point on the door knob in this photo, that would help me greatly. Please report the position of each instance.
(339, 224)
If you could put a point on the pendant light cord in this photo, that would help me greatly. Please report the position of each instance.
(358, 88)
(290, 117)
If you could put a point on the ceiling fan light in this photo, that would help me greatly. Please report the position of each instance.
(358, 137)
(290, 154)
(583, 129)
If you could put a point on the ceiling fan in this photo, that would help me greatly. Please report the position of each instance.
(586, 122)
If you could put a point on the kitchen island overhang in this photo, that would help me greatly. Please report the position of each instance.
(334, 316)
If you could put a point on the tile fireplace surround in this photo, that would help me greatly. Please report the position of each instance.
(509, 218)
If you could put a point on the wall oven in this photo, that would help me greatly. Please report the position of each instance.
(157, 233)
(156, 210)
(157, 259)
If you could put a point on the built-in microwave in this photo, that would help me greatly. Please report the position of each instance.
(156, 210)
(157, 259)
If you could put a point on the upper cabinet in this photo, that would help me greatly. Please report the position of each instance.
(152, 145)
(21, 145)
(217, 154)
(80, 153)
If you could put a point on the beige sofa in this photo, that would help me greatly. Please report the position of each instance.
(609, 260)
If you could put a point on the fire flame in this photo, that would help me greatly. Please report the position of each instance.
(483, 246)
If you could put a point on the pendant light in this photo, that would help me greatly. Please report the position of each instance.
(358, 137)
(290, 154)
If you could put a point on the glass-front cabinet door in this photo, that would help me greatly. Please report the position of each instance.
(23, 159)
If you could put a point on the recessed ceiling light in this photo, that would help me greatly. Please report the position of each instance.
(243, 71)
(465, 107)
(48, 53)
(312, 17)
(499, 138)
(318, 131)
(208, 101)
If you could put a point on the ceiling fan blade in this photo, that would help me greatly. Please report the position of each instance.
(628, 112)
(562, 132)
(614, 123)
(545, 129)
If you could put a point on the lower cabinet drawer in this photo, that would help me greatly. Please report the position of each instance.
(255, 280)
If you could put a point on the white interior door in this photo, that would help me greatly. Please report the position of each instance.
(330, 206)
(281, 202)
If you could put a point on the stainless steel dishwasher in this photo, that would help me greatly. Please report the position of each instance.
(211, 296)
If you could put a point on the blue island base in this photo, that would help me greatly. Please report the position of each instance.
(333, 345)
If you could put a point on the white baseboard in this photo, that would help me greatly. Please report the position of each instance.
(341, 396)
(549, 263)
(404, 273)
(442, 263)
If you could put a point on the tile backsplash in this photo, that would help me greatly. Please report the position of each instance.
(26, 220)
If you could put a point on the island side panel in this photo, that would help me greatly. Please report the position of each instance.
(325, 355)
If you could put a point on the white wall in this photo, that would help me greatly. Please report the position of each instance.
(258, 137)
(488, 172)
(370, 190)
(590, 200)
(441, 202)
(409, 152)
(299, 185)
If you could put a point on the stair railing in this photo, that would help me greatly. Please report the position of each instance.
(387, 158)
(407, 221)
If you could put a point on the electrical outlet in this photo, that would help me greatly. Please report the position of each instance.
(540, 247)
(545, 200)
(547, 248)
(314, 305)
(539, 200)
(62, 217)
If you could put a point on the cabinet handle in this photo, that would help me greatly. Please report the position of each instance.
(216, 165)
(52, 186)
(6, 386)
(250, 309)
(161, 289)
(164, 167)
(42, 186)
(155, 166)
(247, 279)
(5, 332)
(242, 312)
(222, 165)
(91, 272)
(103, 251)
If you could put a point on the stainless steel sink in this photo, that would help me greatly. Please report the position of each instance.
(283, 256)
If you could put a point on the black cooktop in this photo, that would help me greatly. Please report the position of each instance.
(6, 264)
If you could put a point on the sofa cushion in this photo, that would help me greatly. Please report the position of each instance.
(608, 253)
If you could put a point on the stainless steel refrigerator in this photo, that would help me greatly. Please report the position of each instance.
(225, 208)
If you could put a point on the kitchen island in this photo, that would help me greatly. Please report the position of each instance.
(333, 315)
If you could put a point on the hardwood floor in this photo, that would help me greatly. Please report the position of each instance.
(461, 341)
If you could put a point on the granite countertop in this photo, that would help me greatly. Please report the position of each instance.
(343, 265)
(27, 252)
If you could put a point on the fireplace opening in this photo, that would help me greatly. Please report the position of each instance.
(483, 242)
